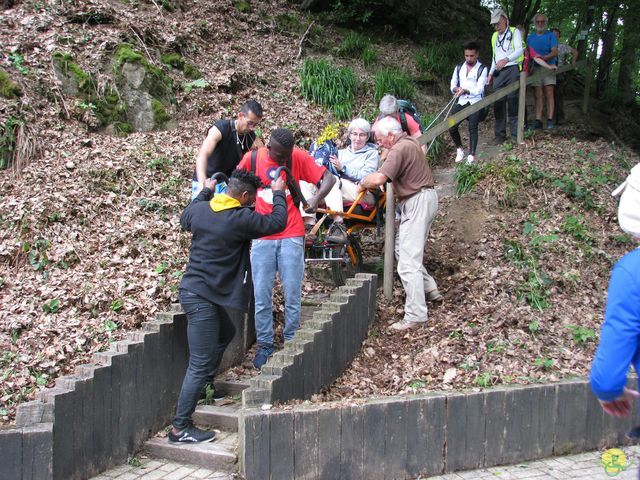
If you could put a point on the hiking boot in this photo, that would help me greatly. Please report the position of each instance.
(471, 159)
(549, 124)
(405, 325)
(191, 435)
(459, 155)
(309, 237)
(434, 296)
(261, 357)
(498, 140)
(538, 125)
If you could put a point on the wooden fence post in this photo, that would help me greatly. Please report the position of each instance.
(522, 99)
(389, 242)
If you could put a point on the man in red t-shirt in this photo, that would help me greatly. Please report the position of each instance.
(282, 252)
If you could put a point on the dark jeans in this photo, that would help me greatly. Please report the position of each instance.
(209, 332)
(506, 107)
(473, 119)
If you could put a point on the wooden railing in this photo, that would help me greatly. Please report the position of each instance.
(525, 80)
(447, 123)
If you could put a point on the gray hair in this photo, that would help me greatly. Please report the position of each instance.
(360, 124)
(388, 105)
(387, 125)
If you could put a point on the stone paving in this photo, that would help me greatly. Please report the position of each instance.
(582, 466)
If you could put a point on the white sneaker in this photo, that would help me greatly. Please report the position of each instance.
(471, 159)
(404, 325)
(459, 155)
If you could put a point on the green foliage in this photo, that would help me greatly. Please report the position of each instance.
(199, 83)
(8, 89)
(356, 45)
(160, 115)
(544, 363)
(173, 60)
(467, 175)
(575, 191)
(191, 71)
(575, 227)
(134, 462)
(82, 78)
(17, 61)
(52, 306)
(117, 305)
(162, 267)
(8, 137)
(581, 335)
(390, 81)
(242, 6)
(110, 325)
(354, 11)
(161, 164)
(329, 86)
(483, 380)
(37, 253)
(534, 289)
(534, 326)
(435, 60)
(419, 383)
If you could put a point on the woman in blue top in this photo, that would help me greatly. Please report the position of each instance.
(620, 336)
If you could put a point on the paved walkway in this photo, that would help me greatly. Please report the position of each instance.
(587, 466)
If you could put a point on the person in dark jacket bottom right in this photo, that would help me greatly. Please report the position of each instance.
(620, 335)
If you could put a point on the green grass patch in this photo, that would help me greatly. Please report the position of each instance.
(329, 86)
(390, 81)
(436, 60)
(467, 175)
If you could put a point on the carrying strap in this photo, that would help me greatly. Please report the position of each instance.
(480, 70)
(296, 195)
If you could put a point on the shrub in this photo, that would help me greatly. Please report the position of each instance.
(331, 87)
(393, 82)
(436, 60)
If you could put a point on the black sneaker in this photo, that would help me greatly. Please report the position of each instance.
(191, 435)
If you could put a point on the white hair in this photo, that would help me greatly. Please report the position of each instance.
(388, 105)
(360, 124)
(387, 125)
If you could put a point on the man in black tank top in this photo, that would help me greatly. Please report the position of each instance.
(226, 142)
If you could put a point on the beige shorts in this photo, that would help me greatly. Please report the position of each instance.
(546, 80)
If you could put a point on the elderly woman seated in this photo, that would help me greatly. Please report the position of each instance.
(353, 163)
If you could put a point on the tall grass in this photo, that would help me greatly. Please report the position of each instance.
(436, 60)
(329, 86)
(393, 82)
(356, 45)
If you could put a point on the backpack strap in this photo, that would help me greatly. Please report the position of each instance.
(480, 69)
(403, 121)
(458, 67)
(254, 157)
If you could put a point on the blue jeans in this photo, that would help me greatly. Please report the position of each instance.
(285, 256)
(209, 332)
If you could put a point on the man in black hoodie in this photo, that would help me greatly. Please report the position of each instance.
(216, 279)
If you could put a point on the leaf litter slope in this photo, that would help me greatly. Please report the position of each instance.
(523, 262)
(90, 245)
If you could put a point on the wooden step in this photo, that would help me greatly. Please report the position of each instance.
(214, 416)
(232, 387)
(217, 455)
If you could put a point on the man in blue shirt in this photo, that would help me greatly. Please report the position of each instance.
(545, 43)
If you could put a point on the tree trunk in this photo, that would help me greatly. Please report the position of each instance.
(608, 45)
(588, 23)
(523, 11)
(629, 55)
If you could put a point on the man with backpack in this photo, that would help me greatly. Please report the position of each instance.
(506, 44)
(283, 252)
(404, 112)
(467, 85)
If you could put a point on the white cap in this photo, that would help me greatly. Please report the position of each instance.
(629, 208)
